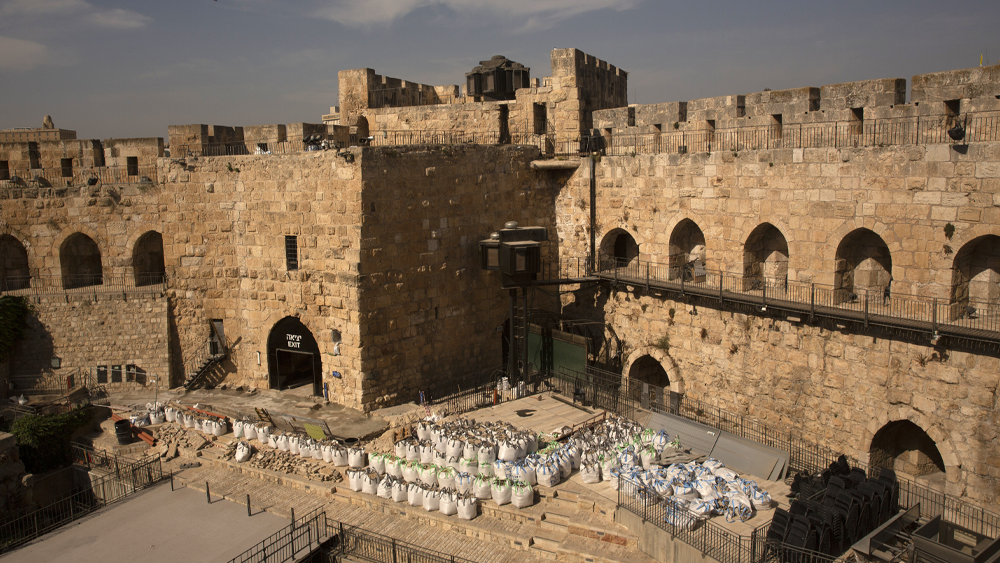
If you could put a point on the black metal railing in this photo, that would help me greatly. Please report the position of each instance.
(291, 541)
(78, 177)
(965, 318)
(358, 543)
(128, 478)
(468, 392)
(84, 284)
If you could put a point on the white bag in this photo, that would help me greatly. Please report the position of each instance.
(411, 471)
(446, 478)
(263, 433)
(448, 504)
(395, 468)
(508, 451)
(282, 442)
(385, 487)
(501, 491)
(455, 448)
(357, 458)
(354, 479)
(590, 473)
(501, 470)
(463, 483)
(481, 487)
(238, 429)
(377, 462)
(432, 500)
(429, 475)
(548, 475)
(399, 491)
(400, 448)
(243, 451)
(369, 483)
(487, 454)
(524, 472)
(522, 495)
(327, 451)
(468, 508)
(415, 494)
(470, 466)
(272, 442)
(412, 452)
(293, 445)
(339, 456)
(250, 431)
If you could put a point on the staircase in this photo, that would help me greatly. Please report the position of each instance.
(206, 365)
(211, 353)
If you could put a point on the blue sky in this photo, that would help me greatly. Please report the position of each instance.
(110, 68)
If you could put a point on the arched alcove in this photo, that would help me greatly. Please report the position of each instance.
(765, 257)
(619, 245)
(906, 448)
(80, 261)
(147, 259)
(293, 358)
(687, 247)
(362, 127)
(976, 275)
(648, 370)
(863, 263)
(14, 272)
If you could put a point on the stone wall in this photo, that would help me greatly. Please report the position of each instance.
(428, 310)
(84, 332)
(838, 383)
(477, 117)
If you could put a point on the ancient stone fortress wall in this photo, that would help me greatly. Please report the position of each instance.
(58, 162)
(428, 311)
(279, 138)
(931, 211)
(361, 89)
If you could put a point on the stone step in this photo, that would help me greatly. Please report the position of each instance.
(555, 522)
(546, 545)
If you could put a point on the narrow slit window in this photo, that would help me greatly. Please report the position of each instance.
(292, 252)
(132, 164)
(4, 170)
(776, 124)
(67, 167)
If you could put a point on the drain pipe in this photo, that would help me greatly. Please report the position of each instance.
(593, 210)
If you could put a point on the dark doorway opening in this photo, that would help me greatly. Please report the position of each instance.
(293, 357)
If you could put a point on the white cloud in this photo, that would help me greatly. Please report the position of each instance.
(536, 14)
(42, 7)
(119, 19)
(21, 54)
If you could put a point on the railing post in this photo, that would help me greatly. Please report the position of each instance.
(394, 551)
(934, 319)
(866, 308)
(647, 277)
(684, 275)
(342, 539)
(763, 295)
(721, 278)
(812, 302)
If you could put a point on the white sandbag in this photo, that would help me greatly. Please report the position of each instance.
(429, 475)
(565, 467)
(423, 430)
(399, 491)
(305, 449)
(456, 448)
(249, 431)
(446, 478)
(468, 508)
(426, 453)
(238, 429)
(340, 458)
(713, 465)
(463, 483)
(432, 500)
(400, 448)
(606, 466)
(575, 456)
(188, 421)
(354, 477)
(377, 462)
(508, 452)
(486, 470)
(685, 491)
(282, 442)
(500, 491)
(243, 451)
(171, 414)
(481, 487)
(702, 507)
(221, 428)
(385, 487)
(663, 487)
(440, 443)
(272, 442)
(469, 452)
(448, 504)
(395, 468)
(293, 445)
(415, 494)
(521, 495)
(412, 452)
(357, 458)
(590, 473)
(327, 451)
(263, 433)
(470, 466)
(548, 475)
(648, 456)
(369, 483)
(524, 472)
(487, 454)
(411, 471)
(501, 470)
(440, 459)
(739, 507)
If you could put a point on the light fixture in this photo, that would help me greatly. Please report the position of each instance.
(56, 363)
(935, 338)
(258, 358)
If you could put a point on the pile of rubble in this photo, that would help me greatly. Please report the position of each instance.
(284, 462)
(174, 440)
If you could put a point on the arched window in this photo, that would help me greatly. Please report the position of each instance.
(14, 273)
(687, 249)
(147, 259)
(905, 448)
(362, 127)
(863, 264)
(975, 276)
(647, 370)
(619, 245)
(80, 260)
(765, 258)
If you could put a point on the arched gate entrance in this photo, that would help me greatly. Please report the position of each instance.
(293, 358)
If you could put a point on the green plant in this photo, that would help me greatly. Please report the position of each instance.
(677, 125)
(231, 168)
(704, 334)
(770, 165)
(663, 344)
(43, 439)
(14, 312)
(922, 360)
(733, 348)
(947, 250)
(671, 312)
(949, 230)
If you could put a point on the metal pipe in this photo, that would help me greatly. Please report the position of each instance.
(593, 209)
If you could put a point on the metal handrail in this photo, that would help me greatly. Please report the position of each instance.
(84, 284)
(92, 176)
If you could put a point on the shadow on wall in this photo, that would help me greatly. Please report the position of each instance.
(33, 353)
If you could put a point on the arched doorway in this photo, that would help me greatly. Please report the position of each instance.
(80, 260)
(647, 370)
(687, 249)
(620, 246)
(293, 358)
(863, 264)
(765, 258)
(362, 128)
(14, 273)
(905, 448)
(975, 278)
(147, 259)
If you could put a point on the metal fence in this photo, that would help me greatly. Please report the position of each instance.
(469, 392)
(77, 177)
(358, 543)
(85, 284)
(290, 541)
(966, 318)
(711, 539)
(122, 479)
